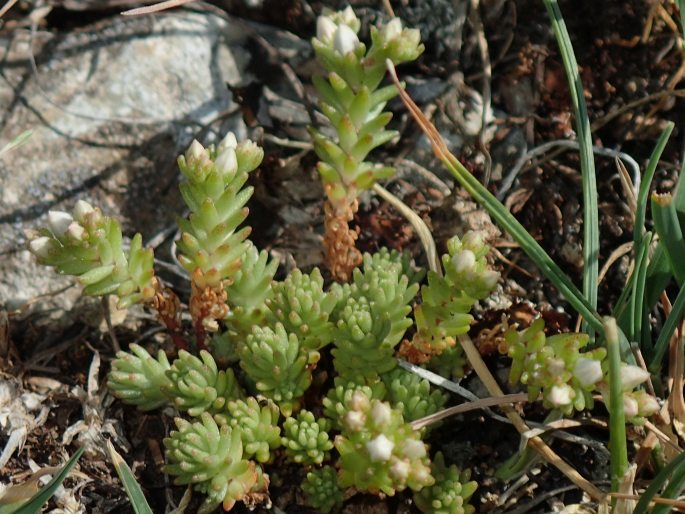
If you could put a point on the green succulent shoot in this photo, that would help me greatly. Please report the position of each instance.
(258, 424)
(302, 306)
(211, 245)
(450, 493)
(321, 489)
(137, 378)
(373, 319)
(379, 452)
(353, 102)
(211, 459)
(89, 245)
(412, 394)
(447, 300)
(305, 438)
(196, 385)
(279, 365)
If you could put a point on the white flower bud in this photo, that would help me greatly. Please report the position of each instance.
(560, 395)
(414, 449)
(632, 376)
(359, 401)
(345, 40)
(75, 231)
(490, 278)
(422, 475)
(58, 222)
(227, 163)
(41, 247)
(464, 261)
(81, 210)
(630, 406)
(472, 240)
(325, 29)
(391, 30)
(556, 366)
(195, 151)
(587, 371)
(354, 420)
(646, 403)
(348, 16)
(400, 470)
(229, 141)
(381, 414)
(380, 448)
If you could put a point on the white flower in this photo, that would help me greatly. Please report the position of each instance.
(380, 448)
(227, 163)
(75, 231)
(632, 376)
(630, 406)
(400, 470)
(414, 449)
(354, 420)
(41, 247)
(587, 371)
(391, 30)
(229, 141)
(381, 414)
(325, 29)
(472, 240)
(464, 261)
(359, 401)
(58, 222)
(81, 210)
(560, 395)
(345, 40)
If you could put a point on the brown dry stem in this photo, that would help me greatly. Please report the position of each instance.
(339, 240)
(168, 308)
(208, 304)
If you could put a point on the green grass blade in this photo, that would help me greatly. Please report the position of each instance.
(637, 298)
(35, 504)
(133, 490)
(617, 419)
(673, 490)
(667, 331)
(587, 163)
(674, 467)
(643, 193)
(667, 226)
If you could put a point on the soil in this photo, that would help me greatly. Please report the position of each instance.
(626, 51)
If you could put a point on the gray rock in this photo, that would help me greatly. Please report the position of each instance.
(110, 108)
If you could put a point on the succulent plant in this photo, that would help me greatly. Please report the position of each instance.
(450, 363)
(340, 394)
(412, 394)
(321, 489)
(211, 245)
(89, 245)
(279, 366)
(138, 379)
(196, 384)
(446, 300)
(379, 452)
(211, 458)
(450, 493)
(372, 320)
(302, 306)
(353, 102)
(305, 438)
(258, 426)
(554, 366)
(250, 291)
